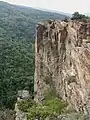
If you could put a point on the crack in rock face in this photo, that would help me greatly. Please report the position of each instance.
(62, 62)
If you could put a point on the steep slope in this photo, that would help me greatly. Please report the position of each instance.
(63, 62)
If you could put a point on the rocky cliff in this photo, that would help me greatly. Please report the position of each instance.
(62, 62)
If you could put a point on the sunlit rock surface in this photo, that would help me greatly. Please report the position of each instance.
(62, 62)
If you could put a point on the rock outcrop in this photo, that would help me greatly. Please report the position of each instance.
(62, 62)
(22, 95)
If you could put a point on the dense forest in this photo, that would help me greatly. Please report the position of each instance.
(17, 34)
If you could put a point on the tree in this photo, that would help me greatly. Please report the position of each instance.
(16, 70)
(77, 16)
(17, 31)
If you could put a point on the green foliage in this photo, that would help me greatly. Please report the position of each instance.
(50, 108)
(18, 22)
(25, 104)
(77, 16)
(16, 69)
(55, 105)
(17, 30)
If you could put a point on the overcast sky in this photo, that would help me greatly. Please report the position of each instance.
(69, 6)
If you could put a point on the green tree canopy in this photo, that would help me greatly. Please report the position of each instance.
(77, 16)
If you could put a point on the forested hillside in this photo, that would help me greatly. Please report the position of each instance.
(17, 31)
(17, 22)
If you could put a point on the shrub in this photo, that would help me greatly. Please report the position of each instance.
(77, 16)
(50, 108)
(25, 104)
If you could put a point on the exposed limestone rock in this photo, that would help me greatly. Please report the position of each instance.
(62, 62)
(22, 95)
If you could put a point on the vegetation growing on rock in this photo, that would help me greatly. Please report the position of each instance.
(50, 108)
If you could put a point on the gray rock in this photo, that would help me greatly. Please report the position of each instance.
(23, 94)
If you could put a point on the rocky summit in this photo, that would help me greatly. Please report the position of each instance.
(62, 62)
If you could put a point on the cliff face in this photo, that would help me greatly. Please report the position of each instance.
(62, 62)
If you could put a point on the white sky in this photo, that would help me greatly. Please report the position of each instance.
(68, 6)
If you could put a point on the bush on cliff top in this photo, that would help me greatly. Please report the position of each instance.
(78, 16)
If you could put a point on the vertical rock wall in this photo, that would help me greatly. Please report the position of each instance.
(62, 62)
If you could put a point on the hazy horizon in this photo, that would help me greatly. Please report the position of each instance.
(67, 6)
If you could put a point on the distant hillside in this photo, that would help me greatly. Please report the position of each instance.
(56, 11)
(19, 21)
(17, 31)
